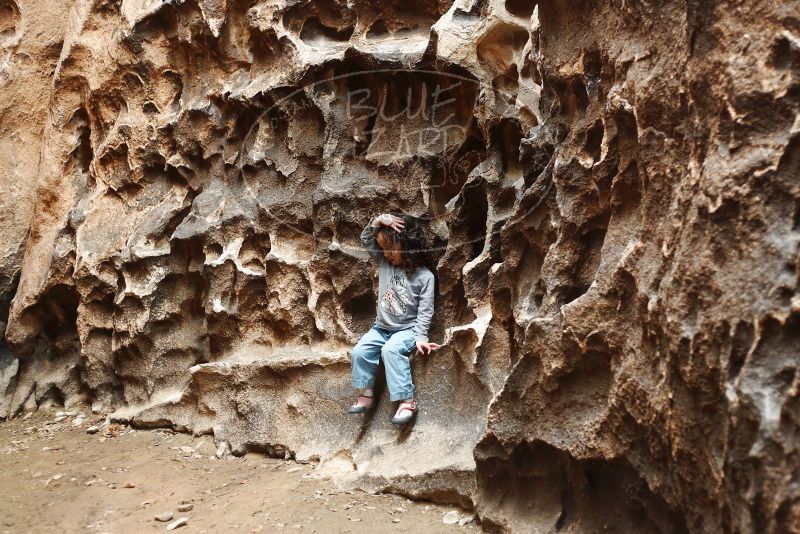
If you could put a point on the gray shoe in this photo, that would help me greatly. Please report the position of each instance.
(363, 408)
(405, 413)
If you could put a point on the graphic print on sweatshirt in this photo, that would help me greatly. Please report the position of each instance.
(396, 298)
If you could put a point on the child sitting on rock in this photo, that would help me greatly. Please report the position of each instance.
(405, 309)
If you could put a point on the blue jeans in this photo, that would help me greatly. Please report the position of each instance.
(395, 349)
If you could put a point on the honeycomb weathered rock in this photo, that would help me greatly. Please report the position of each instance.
(614, 205)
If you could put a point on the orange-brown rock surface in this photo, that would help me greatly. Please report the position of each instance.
(612, 191)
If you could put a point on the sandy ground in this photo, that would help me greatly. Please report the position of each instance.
(58, 478)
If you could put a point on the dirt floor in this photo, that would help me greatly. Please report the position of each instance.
(56, 477)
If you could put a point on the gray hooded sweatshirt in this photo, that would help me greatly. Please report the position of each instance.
(403, 301)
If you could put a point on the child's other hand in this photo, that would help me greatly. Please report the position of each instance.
(392, 221)
(426, 348)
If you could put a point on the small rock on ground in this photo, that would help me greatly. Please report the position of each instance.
(450, 518)
(163, 517)
(178, 523)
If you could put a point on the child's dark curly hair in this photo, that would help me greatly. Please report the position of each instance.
(413, 241)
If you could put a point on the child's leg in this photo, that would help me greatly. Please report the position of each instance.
(364, 360)
(396, 359)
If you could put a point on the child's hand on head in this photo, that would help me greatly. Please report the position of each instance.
(392, 221)
(426, 348)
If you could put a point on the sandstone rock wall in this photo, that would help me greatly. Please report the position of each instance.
(613, 201)
(31, 34)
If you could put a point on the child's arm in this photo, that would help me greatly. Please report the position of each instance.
(368, 239)
(424, 315)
